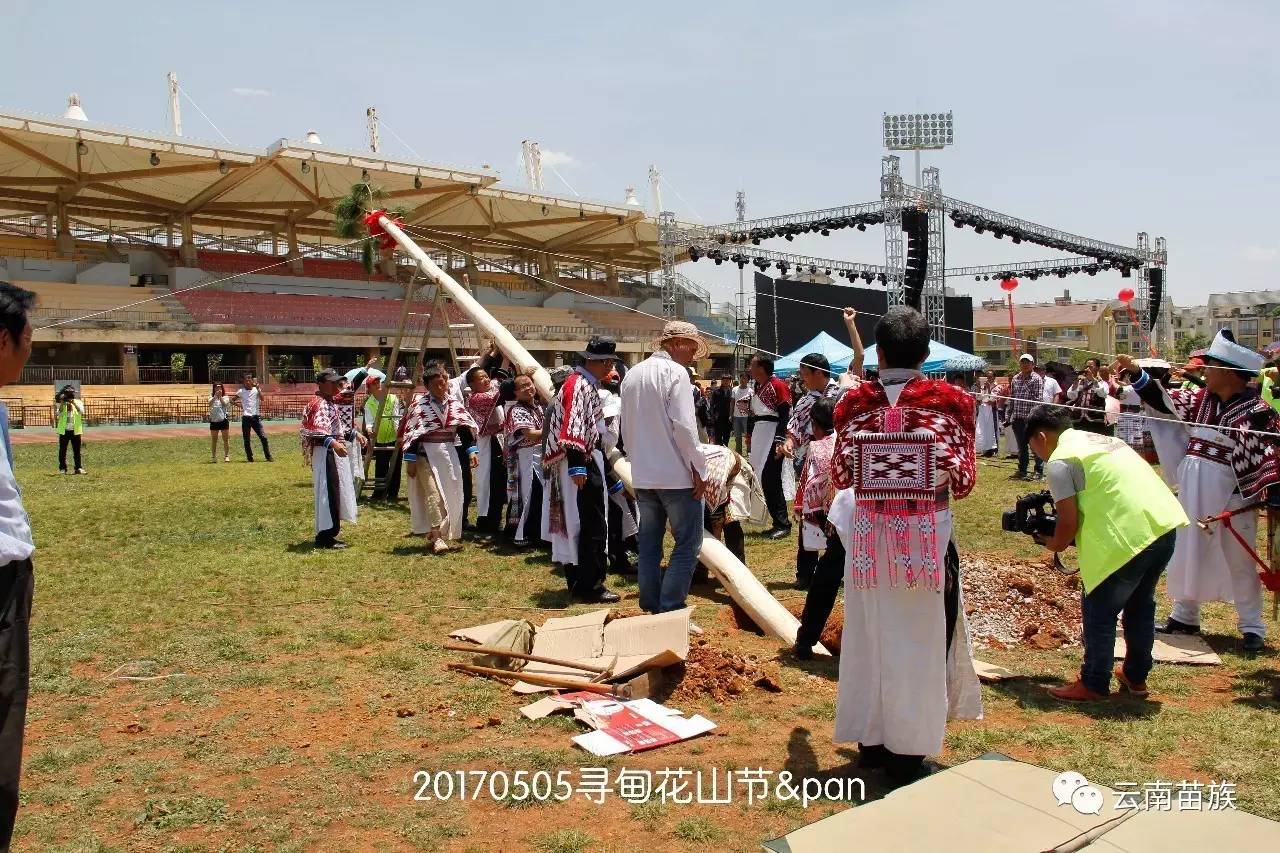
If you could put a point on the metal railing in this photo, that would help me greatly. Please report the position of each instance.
(48, 374)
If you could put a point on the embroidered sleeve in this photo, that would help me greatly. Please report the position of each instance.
(1254, 458)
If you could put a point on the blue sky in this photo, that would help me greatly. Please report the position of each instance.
(1098, 118)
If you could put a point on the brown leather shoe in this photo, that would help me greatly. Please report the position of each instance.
(1076, 692)
(1137, 688)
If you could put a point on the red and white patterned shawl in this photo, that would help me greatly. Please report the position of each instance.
(522, 417)
(433, 420)
(928, 404)
(573, 418)
(1253, 459)
(321, 419)
(815, 492)
(773, 393)
(798, 425)
(481, 405)
(889, 456)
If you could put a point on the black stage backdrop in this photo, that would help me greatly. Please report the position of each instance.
(796, 324)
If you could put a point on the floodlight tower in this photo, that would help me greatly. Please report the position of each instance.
(918, 132)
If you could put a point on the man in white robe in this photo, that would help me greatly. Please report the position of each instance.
(324, 446)
(903, 449)
(1229, 462)
(433, 426)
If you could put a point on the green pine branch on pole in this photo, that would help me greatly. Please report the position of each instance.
(348, 219)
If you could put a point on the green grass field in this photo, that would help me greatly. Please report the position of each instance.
(312, 687)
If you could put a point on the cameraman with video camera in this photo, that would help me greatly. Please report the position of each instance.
(1121, 517)
(69, 424)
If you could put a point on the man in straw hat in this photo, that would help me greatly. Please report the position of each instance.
(573, 462)
(1229, 461)
(668, 468)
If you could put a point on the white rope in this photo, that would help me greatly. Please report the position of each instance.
(383, 123)
(734, 342)
(206, 115)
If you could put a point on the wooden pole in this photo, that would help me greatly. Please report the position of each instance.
(508, 653)
(617, 691)
(409, 291)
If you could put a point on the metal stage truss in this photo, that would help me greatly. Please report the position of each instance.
(737, 242)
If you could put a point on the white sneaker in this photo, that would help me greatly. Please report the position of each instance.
(81, 471)
(439, 547)
(226, 459)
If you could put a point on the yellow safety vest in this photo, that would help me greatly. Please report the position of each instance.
(1124, 506)
(77, 419)
(386, 432)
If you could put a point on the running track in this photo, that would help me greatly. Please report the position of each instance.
(46, 435)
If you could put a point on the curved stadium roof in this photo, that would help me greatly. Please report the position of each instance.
(106, 176)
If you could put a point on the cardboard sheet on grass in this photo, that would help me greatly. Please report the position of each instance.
(621, 727)
(1009, 807)
(633, 645)
(1177, 648)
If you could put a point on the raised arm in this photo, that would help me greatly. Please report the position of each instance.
(855, 341)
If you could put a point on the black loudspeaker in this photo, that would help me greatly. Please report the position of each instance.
(1155, 292)
(915, 226)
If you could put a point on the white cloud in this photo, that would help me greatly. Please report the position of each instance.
(553, 159)
(1261, 253)
(246, 92)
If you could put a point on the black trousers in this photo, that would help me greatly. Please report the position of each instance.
(325, 538)
(620, 547)
(65, 438)
(464, 459)
(592, 539)
(723, 431)
(828, 574)
(17, 583)
(384, 473)
(730, 532)
(492, 520)
(533, 522)
(254, 423)
(771, 482)
(806, 561)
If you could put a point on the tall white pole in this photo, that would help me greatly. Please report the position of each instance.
(743, 586)
(371, 117)
(175, 107)
(655, 189)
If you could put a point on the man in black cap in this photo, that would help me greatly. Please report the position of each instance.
(324, 443)
(577, 520)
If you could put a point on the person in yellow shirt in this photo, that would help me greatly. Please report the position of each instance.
(1121, 517)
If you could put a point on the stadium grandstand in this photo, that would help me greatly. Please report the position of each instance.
(166, 261)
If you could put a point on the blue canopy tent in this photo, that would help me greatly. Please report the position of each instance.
(823, 343)
(942, 359)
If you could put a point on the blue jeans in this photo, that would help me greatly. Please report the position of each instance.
(1130, 590)
(662, 591)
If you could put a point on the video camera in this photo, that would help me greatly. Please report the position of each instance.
(1032, 514)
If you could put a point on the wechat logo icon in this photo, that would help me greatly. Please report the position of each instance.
(1071, 787)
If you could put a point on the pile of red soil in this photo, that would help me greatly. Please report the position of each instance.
(719, 674)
